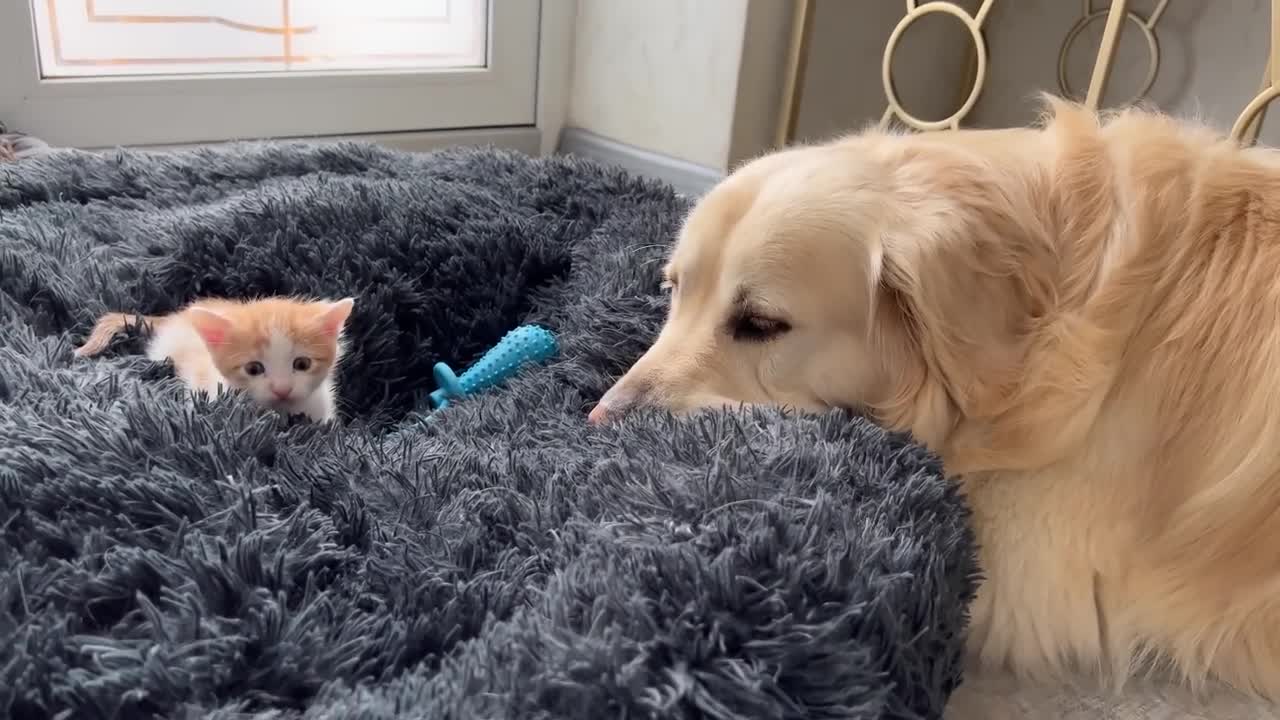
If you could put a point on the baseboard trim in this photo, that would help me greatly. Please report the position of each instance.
(522, 139)
(686, 177)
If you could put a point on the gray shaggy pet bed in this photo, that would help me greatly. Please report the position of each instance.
(499, 559)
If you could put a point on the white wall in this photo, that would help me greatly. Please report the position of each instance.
(1211, 65)
(693, 80)
(660, 75)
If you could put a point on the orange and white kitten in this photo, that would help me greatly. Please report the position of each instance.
(282, 351)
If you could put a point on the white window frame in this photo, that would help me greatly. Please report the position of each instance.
(523, 86)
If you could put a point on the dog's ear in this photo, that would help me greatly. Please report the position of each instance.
(992, 271)
(968, 270)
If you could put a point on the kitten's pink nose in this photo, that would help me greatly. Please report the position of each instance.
(281, 393)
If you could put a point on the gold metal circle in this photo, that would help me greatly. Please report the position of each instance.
(979, 76)
(1252, 109)
(1153, 49)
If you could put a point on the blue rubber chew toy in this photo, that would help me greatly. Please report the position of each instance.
(522, 346)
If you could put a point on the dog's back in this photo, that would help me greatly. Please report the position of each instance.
(1155, 530)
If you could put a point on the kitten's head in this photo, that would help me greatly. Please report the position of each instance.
(278, 350)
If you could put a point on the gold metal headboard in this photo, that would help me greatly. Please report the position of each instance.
(972, 23)
(1249, 123)
(1117, 15)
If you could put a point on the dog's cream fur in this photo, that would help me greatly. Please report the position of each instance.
(1082, 319)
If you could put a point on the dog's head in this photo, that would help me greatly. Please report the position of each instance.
(890, 274)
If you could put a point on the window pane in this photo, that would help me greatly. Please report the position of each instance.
(80, 38)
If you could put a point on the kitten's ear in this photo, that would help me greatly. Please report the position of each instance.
(212, 326)
(335, 315)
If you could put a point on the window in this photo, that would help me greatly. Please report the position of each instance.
(95, 38)
(105, 72)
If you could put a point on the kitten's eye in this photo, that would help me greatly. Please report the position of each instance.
(254, 368)
(302, 364)
(757, 328)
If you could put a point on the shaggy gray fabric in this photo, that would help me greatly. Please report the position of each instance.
(500, 559)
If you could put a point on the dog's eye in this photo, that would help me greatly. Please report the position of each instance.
(757, 328)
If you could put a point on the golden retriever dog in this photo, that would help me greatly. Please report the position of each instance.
(1081, 318)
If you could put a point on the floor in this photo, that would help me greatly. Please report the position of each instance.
(990, 696)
